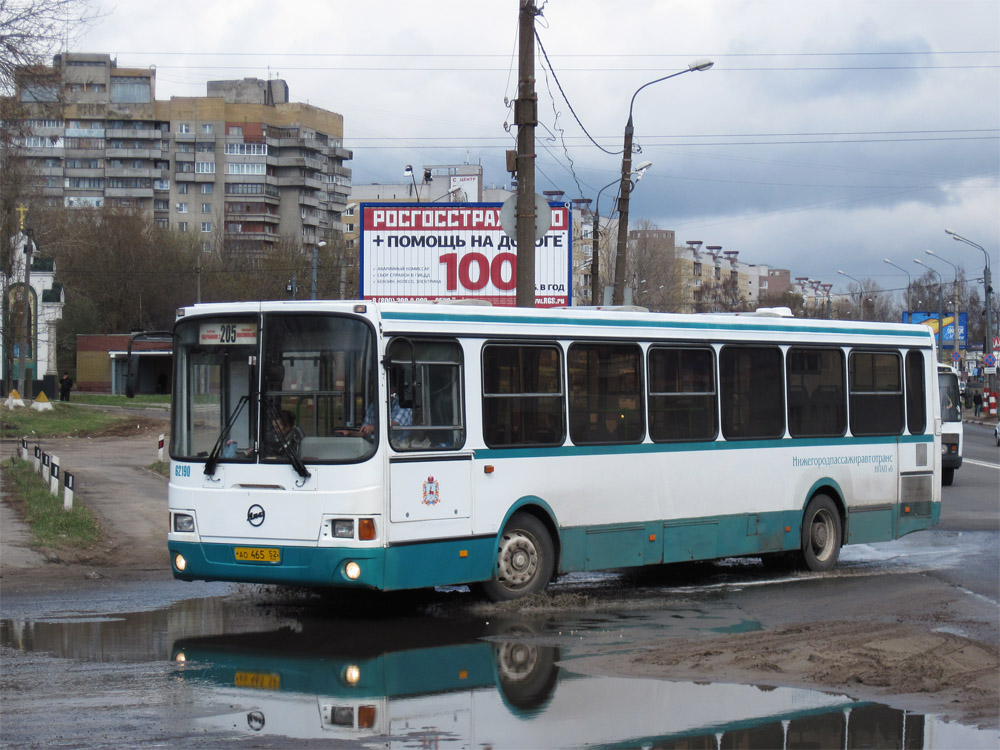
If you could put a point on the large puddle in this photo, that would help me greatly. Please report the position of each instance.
(407, 680)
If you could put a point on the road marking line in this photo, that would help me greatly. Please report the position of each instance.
(981, 463)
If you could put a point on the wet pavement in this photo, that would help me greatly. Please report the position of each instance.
(210, 664)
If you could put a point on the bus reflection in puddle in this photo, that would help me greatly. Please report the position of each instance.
(512, 694)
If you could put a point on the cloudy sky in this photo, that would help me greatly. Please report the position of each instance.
(830, 134)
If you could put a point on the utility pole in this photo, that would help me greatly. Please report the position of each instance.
(29, 240)
(526, 118)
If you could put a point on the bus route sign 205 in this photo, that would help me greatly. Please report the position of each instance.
(422, 252)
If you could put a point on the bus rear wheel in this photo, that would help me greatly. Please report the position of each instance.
(525, 559)
(822, 534)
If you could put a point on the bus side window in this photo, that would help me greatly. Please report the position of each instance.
(916, 393)
(425, 411)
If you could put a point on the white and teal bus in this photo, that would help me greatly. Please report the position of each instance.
(401, 446)
(952, 429)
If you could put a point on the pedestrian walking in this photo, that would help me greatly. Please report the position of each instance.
(65, 385)
(977, 402)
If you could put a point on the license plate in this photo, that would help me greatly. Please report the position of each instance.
(258, 554)
(258, 681)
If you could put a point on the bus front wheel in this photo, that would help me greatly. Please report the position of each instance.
(822, 534)
(947, 477)
(525, 559)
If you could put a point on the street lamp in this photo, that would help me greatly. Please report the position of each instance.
(861, 290)
(954, 295)
(940, 299)
(595, 265)
(620, 258)
(886, 260)
(408, 172)
(316, 248)
(987, 293)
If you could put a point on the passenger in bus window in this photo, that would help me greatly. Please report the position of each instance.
(610, 429)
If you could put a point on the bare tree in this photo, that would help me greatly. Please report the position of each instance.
(32, 30)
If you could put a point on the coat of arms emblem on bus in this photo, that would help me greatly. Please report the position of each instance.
(432, 492)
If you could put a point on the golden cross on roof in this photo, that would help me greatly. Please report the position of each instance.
(22, 210)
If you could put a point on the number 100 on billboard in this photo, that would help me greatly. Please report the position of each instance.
(414, 252)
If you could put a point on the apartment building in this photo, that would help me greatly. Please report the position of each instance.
(242, 166)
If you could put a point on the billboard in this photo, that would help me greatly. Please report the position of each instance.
(932, 320)
(414, 252)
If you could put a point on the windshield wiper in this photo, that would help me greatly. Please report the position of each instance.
(213, 458)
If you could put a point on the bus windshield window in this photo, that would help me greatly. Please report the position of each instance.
(319, 386)
(213, 387)
(951, 405)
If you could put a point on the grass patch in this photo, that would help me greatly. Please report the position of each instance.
(160, 467)
(106, 399)
(64, 420)
(51, 526)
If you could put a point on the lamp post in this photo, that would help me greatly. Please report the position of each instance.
(954, 295)
(408, 172)
(886, 260)
(940, 299)
(987, 295)
(316, 248)
(620, 258)
(596, 297)
(861, 291)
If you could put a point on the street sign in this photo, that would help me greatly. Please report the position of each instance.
(990, 360)
(956, 357)
(996, 343)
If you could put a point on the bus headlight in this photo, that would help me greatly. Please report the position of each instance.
(343, 529)
(179, 562)
(183, 523)
(352, 570)
(352, 675)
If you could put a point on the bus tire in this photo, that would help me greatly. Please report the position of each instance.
(947, 477)
(525, 560)
(822, 534)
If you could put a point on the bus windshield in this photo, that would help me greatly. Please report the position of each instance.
(951, 405)
(314, 388)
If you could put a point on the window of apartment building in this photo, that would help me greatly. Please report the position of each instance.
(206, 246)
(183, 148)
(206, 226)
(206, 128)
(205, 147)
(51, 162)
(185, 167)
(234, 227)
(136, 164)
(206, 188)
(718, 273)
(162, 223)
(130, 90)
(182, 208)
(246, 149)
(161, 184)
(161, 204)
(183, 127)
(206, 208)
(36, 141)
(234, 130)
(253, 168)
(182, 226)
(182, 188)
(85, 183)
(349, 211)
(697, 269)
(204, 167)
(45, 123)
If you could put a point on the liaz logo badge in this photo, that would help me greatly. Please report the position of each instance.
(255, 515)
(432, 492)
